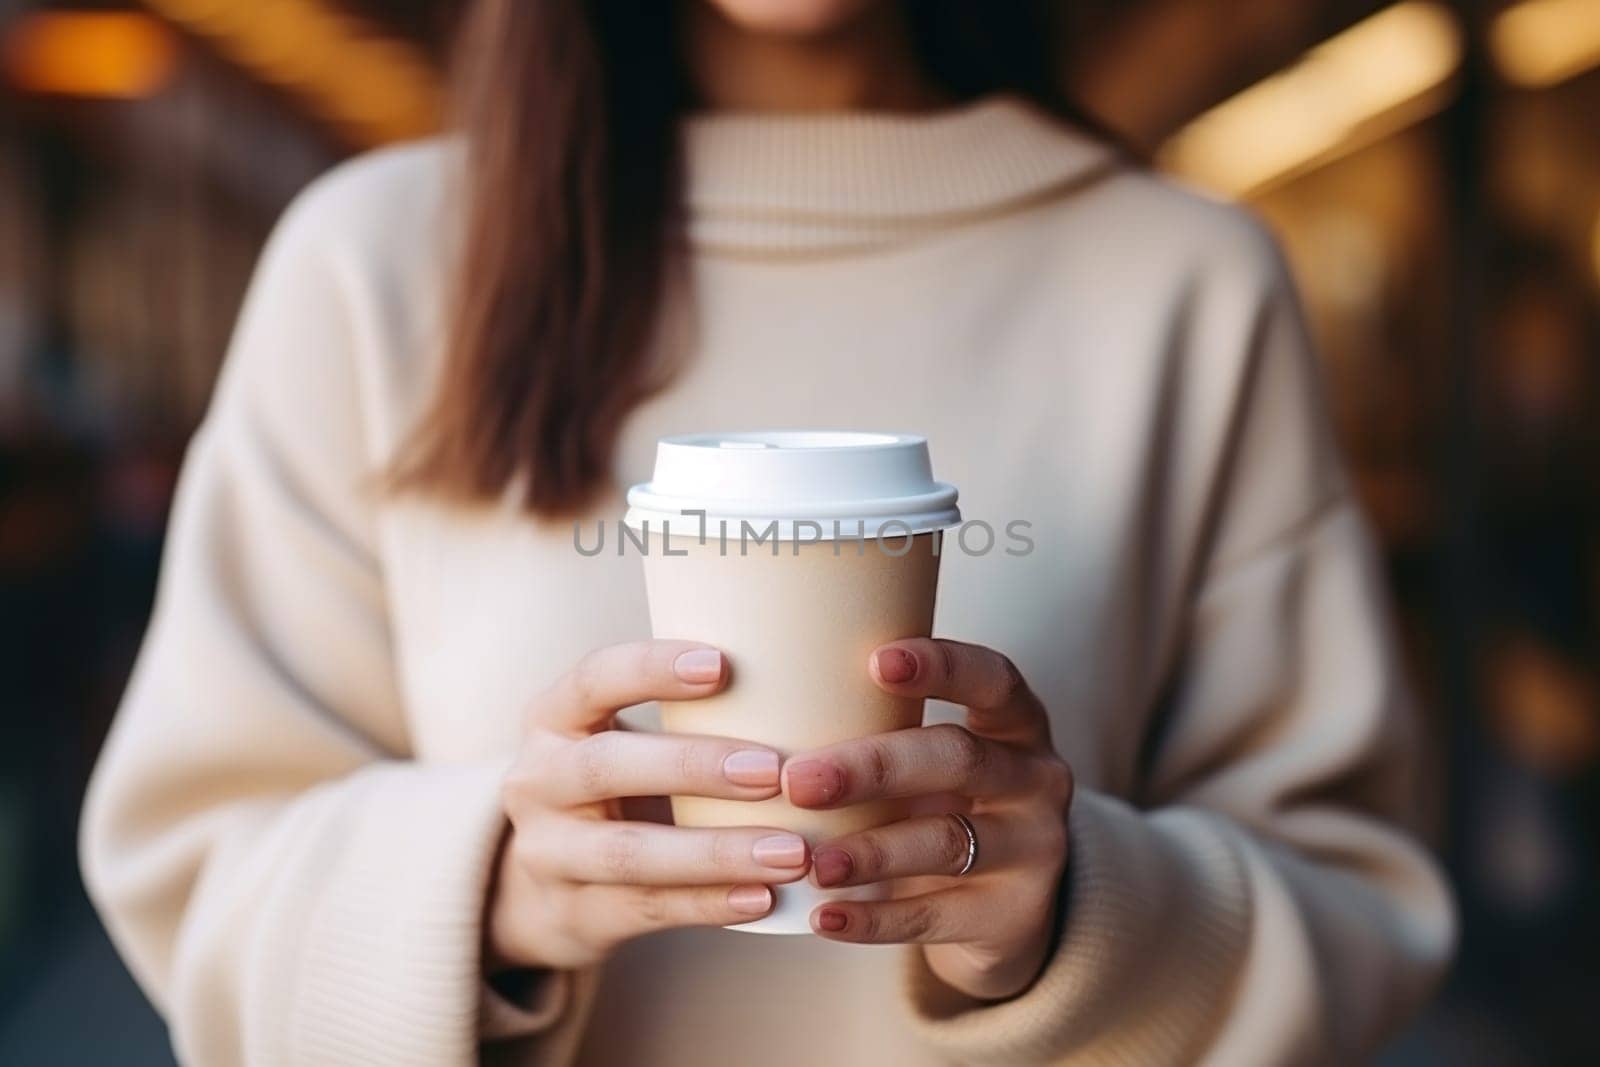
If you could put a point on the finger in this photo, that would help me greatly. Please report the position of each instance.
(923, 759)
(988, 684)
(611, 914)
(618, 676)
(955, 914)
(616, 763)
(926, 845)
(620, 853)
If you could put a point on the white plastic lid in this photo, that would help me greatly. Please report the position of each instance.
(823, 484)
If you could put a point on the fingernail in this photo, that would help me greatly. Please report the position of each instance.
(832, 865)
(896, 665)
(779, 850)
(698, 665)
(751, 766)
(750, 899)
(831, 919)
(814, 782)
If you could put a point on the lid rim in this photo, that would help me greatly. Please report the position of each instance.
(943, 496)
(795, 478)
(705, 439)
(849, 529)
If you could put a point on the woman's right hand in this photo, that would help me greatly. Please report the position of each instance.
(576, 878)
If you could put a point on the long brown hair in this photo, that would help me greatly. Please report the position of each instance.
(570, 110)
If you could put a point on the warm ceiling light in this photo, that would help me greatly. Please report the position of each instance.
(1376, 77)
(119, 55)
(1542, 42)
(373, 86)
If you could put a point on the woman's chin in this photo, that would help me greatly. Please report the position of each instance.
(792, 18)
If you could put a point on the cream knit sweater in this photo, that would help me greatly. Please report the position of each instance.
(290, 830)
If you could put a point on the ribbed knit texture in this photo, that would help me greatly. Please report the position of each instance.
(1135, 894)
(423, 829)
(833, 182)
(293, 825)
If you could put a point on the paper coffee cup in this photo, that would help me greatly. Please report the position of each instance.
(795, 553)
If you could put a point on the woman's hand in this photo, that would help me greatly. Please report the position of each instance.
(984, 933)
(577, 876)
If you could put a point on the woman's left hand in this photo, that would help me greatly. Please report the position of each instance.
(984, 933)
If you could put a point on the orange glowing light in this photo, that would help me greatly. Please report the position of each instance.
(372, 86)
(1377, 77)
(1540, 43)
(115, 55)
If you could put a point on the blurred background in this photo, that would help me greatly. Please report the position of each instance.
(1433, 169)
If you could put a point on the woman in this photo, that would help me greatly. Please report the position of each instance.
(365, 800)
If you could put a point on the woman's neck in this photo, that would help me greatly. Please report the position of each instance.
(867, 65)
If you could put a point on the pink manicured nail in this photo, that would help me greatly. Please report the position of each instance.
(814, 782)
(750, 899)
(698, 666)
(831, 920)
(751, 766)
(779, 850)
(832, 865)
(896, 666)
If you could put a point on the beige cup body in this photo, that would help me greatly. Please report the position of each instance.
(797, 628)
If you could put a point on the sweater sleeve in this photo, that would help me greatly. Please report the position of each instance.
(287, 883)
(1253, 899)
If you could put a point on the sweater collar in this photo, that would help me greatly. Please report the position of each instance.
(764, 184)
